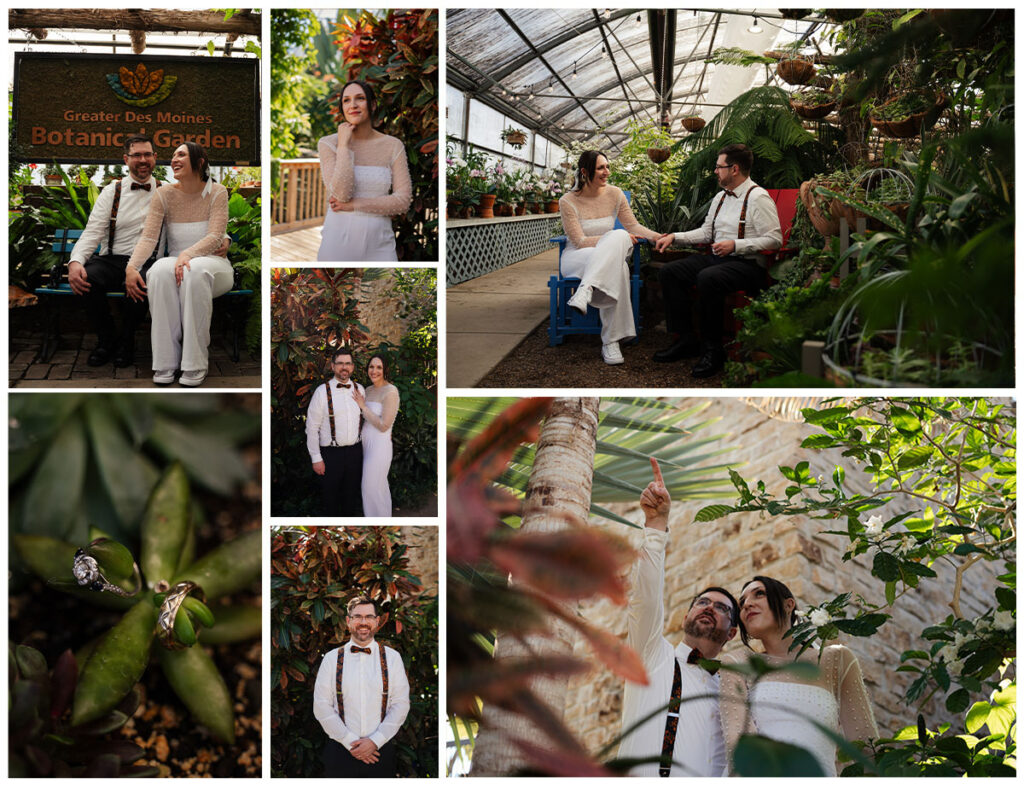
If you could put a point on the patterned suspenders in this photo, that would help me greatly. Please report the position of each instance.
(743, 215)
(330, 411)
(668, 742)
(384, 676)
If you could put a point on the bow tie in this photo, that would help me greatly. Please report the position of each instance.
(346, 386)
(732, 194)
(356, 649)
(694, 658)
(140, 186)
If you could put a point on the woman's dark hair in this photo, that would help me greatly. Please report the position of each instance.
(777, 593)
(585, 168)
(196, 153)
(371, 98)
(383, 362)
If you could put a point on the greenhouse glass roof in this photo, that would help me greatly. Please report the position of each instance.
(575, 74)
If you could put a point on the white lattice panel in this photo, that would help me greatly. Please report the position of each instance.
(479, 248)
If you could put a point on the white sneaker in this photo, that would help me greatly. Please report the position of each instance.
(163, 377)
(192, 378)
(581, 299)
(610, 354)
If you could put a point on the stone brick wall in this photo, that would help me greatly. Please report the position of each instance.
(378, 311)
(422, 543)
(727, 552)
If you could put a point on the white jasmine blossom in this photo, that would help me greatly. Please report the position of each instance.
(1004, 620)
(800, 614)
(955, 667)
(906, 545)
(947, 653)
(820, 617)
(959, 640)
(874, 526)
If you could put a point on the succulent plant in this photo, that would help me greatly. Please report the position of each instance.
(113, 663)
(42, 741)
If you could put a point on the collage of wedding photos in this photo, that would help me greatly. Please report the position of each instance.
(721, 374)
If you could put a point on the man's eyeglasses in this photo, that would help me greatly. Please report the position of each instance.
(720, 607)
(722, 166)
(362, 618)
(137, 156)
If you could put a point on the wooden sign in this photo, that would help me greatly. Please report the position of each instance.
(78, 108)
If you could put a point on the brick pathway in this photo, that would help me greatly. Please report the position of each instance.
(67, 366)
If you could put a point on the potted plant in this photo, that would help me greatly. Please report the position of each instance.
(551, 190)
(795, 69)
(812, 104)
(513, 137)
(52, 173)
(482, 181)
(693, 122)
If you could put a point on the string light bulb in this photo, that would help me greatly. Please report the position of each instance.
(755, 28)
(573, 69)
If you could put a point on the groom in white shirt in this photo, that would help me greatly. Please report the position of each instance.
(688, 735)
(333, 421)
(361, 699)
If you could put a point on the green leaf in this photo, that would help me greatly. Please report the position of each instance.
(915, 456)
(210, 47)
(1007, 598)
(958, 701)
(886, 567)
(890, 592)
(757, 756)
(712, 512)
(54, 496)
(905, 421)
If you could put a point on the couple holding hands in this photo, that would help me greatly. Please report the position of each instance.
(741, 223)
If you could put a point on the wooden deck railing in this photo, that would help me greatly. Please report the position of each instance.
(301, 199)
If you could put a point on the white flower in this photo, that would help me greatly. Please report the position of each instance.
(820, 617)
(955, 667)
(800, 614)
(874, 526)
(947, 653)
(906, 545)
(1004, 620)
(959, 640)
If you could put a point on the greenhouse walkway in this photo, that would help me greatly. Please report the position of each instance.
(488, 316)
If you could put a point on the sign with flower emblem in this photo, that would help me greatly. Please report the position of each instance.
(79, 108)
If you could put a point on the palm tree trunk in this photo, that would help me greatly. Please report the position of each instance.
(559, 486)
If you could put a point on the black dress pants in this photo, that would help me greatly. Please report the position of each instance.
(341, 485)
(338, 762)
(715, 277)
(106, 274)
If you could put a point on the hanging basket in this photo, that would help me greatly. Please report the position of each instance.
(840, 15)
(658, 154)
(824, 214)
(516, 138)
(909, 126)
(693, 124)
(811, 111)
(795, 70)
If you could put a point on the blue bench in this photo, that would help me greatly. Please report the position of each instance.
(566, 320)
(56, 286)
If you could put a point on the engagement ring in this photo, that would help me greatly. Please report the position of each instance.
(169, 611)
(87, 572)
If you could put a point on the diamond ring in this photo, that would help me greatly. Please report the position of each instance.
(169, 611)
(87, 572)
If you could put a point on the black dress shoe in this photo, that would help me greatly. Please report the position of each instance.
(125, 357)
(680, 350)
(711, 363)
(98, 356)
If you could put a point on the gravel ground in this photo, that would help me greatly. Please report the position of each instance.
(577, 363)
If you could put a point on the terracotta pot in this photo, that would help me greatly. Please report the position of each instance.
(53, 179)
(521, 209)
(795, 70)
(452, 208)
(486, 207)
(533, 207)
(693, 124)
(551, 207)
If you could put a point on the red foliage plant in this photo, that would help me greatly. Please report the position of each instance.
(549, 569)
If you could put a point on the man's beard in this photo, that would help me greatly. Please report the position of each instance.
(713, 633)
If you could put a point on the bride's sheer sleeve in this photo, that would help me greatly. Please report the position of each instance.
(150, 232)
(337, 171)
(629, 221)
(732, 703)
(855, 714)
(571, 223)
(390, 411)
(216, 226)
